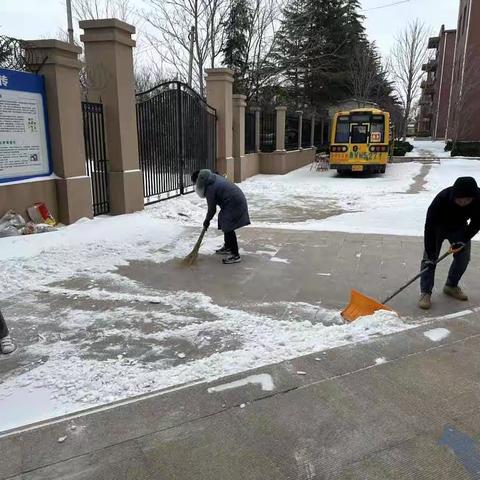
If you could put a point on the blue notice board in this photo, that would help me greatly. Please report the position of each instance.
(24, 142)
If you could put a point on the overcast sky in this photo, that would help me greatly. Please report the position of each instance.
(31, 19)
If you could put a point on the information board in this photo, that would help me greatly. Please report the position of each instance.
(24, 145)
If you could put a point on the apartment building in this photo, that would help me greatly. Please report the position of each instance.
(450, 100)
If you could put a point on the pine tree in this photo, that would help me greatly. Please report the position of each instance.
(315, 46)
(235, 49)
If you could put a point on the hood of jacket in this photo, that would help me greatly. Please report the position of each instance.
(205, 178)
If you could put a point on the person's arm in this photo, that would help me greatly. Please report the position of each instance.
(212, 209)
(473, 228)
(431, 224)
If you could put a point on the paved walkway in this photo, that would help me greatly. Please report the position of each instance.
(346, 418)
(400, 407)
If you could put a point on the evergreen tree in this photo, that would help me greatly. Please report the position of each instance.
(236, 46)
(316, 43)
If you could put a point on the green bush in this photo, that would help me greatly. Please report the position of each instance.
(466, 149)
(323, 149)
(399, 151)
(407, 146)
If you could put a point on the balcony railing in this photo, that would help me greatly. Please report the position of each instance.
(433, 42)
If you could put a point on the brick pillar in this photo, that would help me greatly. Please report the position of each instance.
(219, 96)
(61, 69)
(239, 104)
(281, 122)
(258, 124)
(108, 54)
(300, 129)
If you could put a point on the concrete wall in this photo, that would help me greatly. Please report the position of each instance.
(20, 196)
(280, 163)
(250, 165)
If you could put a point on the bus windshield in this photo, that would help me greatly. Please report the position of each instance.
(360, 128)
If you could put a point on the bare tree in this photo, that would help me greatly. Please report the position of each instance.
(148, 76)
(172, 21)
(363, 69)
(407, 57)
(261, 42)
(95, 9)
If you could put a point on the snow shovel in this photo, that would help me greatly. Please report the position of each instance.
(361, 306)
(192, 256)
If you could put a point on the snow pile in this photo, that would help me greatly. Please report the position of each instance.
(86, 247)
(437, 334)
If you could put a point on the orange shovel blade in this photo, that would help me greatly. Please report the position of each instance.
(361, 306)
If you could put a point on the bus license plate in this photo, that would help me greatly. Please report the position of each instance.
(357, 168)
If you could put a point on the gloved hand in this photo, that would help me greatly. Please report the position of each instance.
(457, 246)
(206, 224)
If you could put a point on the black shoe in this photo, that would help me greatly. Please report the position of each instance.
(223, 251)
(232, 259)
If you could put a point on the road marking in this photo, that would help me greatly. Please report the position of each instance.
(264, 380)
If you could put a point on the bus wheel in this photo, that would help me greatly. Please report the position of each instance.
(383, 169)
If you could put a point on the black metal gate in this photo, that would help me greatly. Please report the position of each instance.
(176, 136)
(96, 156)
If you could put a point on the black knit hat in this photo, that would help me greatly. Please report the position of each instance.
(465, 187)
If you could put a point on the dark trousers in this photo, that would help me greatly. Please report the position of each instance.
(458, 267)
(231, 242)
(3, 327)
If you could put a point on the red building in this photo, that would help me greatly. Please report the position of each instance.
(450, 101)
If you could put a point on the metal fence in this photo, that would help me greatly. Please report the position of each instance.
(306, 132)
(291, 132)
(250, 127)
(96, 155)
(268, 132)
(176, 136)
(321, 140)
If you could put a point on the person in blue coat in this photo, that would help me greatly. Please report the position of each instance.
(219, 192)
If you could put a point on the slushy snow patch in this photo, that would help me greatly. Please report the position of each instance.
(437, 334)
(279, 260)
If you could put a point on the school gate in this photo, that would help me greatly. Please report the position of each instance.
(176, 136)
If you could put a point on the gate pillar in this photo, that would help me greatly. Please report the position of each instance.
(58, 63)
(239, 104)
(109, 72)
(219, 96)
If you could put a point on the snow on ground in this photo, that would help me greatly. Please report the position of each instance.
(321, 201)
(427, 149)
(68, 374)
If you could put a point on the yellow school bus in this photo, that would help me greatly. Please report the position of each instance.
(361, 141)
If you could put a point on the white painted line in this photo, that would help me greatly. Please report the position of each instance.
(264, 380)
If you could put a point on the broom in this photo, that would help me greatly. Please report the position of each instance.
(192, 256)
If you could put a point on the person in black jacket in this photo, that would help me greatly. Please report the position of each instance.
(6, 342)
(454, 215)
